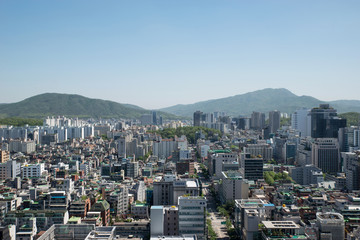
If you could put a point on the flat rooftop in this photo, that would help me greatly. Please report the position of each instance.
(280, 224)
(191, 184)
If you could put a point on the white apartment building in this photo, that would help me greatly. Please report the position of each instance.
(33, 170)
(164, 148)
(22, 146)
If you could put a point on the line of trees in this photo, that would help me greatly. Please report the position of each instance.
(18, 122)
(190, 133)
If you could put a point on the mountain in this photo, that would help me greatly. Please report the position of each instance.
(346, 105)
(55, 104)
(261, 101)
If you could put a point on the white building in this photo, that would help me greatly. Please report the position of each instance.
(66, 185)
(182, 143)
(33, 170)
(140, 191)
(22, 146)
(301, 121)
(157, 221)
(164, 148)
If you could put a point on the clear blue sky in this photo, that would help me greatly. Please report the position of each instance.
(161, 53)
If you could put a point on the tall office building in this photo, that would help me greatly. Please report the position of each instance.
(121, 142)
(164, 221)
(351, 162)
(274, 121)
(197, 118)
(326, 155)
(154, 117)
(253, 167)
(157, 221)
(349, 139)
(257, 120)
(242, 123)
(192, 218)
(325, 123)
(171, 217)
(301, 121)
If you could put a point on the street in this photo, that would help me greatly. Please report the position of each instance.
(215, 217)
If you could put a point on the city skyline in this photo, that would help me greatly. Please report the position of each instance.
(158, 54)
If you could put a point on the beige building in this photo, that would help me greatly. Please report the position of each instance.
(4, 156)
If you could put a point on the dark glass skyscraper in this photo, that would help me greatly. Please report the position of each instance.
(154, 118)
(274, 121)
(197, 118)
(325, 123)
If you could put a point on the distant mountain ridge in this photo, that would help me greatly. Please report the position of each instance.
(264, 100)
(71, 105)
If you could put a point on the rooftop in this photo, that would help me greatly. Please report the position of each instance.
(280, 224)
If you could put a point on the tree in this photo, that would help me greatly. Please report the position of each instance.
(18, 122)
(211, 232)
(189, 132)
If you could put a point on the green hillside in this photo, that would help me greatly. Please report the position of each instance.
(262, 101)
(352, 118)
(54, 104)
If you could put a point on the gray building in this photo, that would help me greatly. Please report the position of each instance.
(257, 120)
(262, 149)
(168, 190)
(192, 218)
(222, 160)
(307, 175)
(331, 225)
(351, 163)
(274, 120)
(233, 186)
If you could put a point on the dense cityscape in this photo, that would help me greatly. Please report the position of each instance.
(265, 176)
(179, 120)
